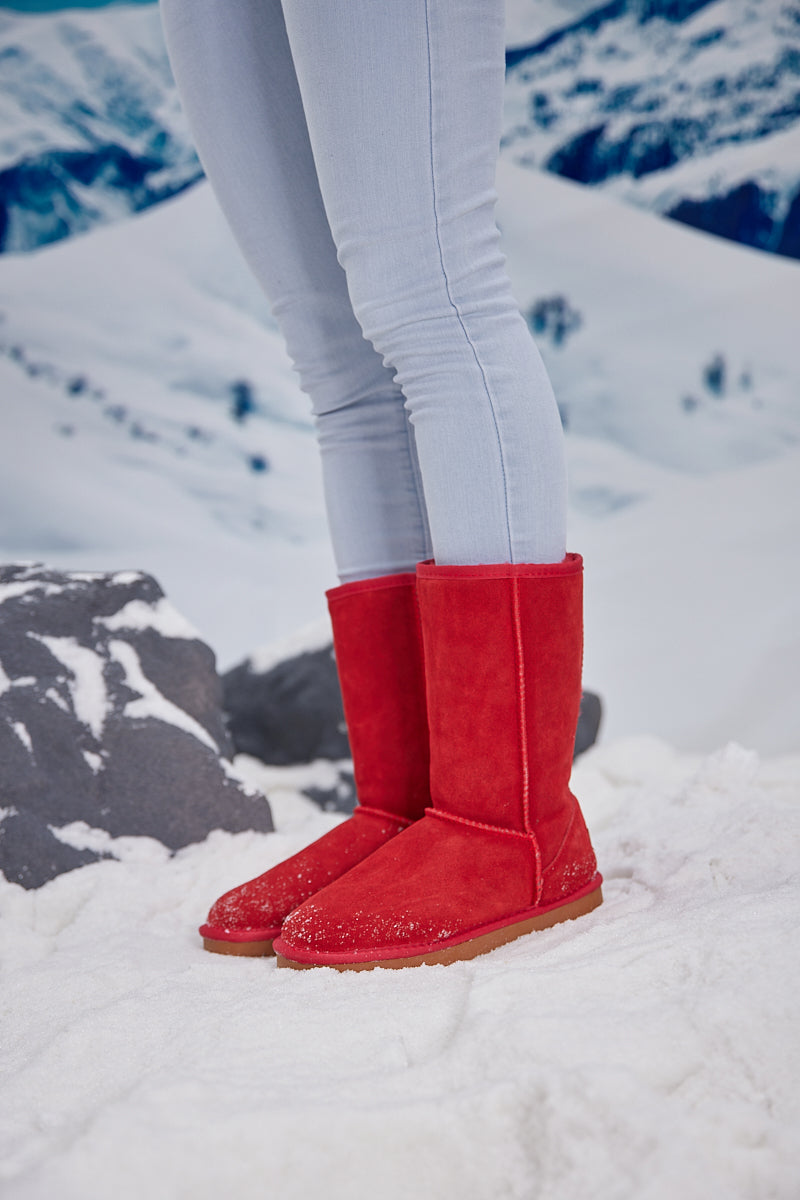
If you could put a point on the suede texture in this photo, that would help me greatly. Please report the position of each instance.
(472, 699)
(505, 836)
(551, 620)
(573, 865)
(436, 880)
(261, 905)
(378, 648)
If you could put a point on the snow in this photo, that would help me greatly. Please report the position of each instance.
(321, 774)
(10, 591)
(649, 1050)
(21, 730)
(152, 703)
(770, 162)
(314, 636)
(123, 578)
(95, 761)
(51, 693)
(161, 616)
(82, 836)
(526, 22)
(85, 680)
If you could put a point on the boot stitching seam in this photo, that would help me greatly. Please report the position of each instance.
(563, 841)
(370, 809)
(523, 737)
(448, 816)
(422, 672)
(521, 704)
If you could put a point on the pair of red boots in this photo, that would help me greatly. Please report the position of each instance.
(461, 689)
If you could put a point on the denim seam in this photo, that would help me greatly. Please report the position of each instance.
(453, 304)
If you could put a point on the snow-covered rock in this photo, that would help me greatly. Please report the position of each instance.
(283, 707)
(92, 129)
(110, 725)
(687, 107)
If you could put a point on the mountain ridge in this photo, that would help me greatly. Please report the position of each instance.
(683, 107)
(624, 96)
(92, 124)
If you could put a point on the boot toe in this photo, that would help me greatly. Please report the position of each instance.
(258, 908)
(435, 883)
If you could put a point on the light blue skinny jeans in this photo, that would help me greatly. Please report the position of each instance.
(352, 145)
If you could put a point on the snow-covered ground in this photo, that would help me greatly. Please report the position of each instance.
(649, 1051)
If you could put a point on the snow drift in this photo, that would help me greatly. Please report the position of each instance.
(649, 1050)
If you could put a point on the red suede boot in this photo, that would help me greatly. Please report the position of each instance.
(377, 639)
(504, 850)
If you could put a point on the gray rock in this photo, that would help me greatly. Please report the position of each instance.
(291, 713)
(589, 718)
(109, 715)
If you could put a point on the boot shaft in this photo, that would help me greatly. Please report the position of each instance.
(504, 849)
(378, 646)
(503, 651)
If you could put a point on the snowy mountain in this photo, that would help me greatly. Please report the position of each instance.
(90, 125)
(150, 414)
(687, 107)
(151, 419)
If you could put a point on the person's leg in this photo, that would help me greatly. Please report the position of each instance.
(402, 102)
(378, 643)
(403, 105)
(234, 71)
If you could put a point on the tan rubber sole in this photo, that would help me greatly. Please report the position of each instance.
(472, 948)
(245, 949)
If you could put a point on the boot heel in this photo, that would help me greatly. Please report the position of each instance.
(473, 947)
(243, 949)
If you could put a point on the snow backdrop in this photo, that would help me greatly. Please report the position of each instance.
(149, 418)
(125, 354)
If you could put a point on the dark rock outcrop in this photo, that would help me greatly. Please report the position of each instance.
(44, 198)
(109, 717)
(292, 714)
(746, 214)
(289, 714)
